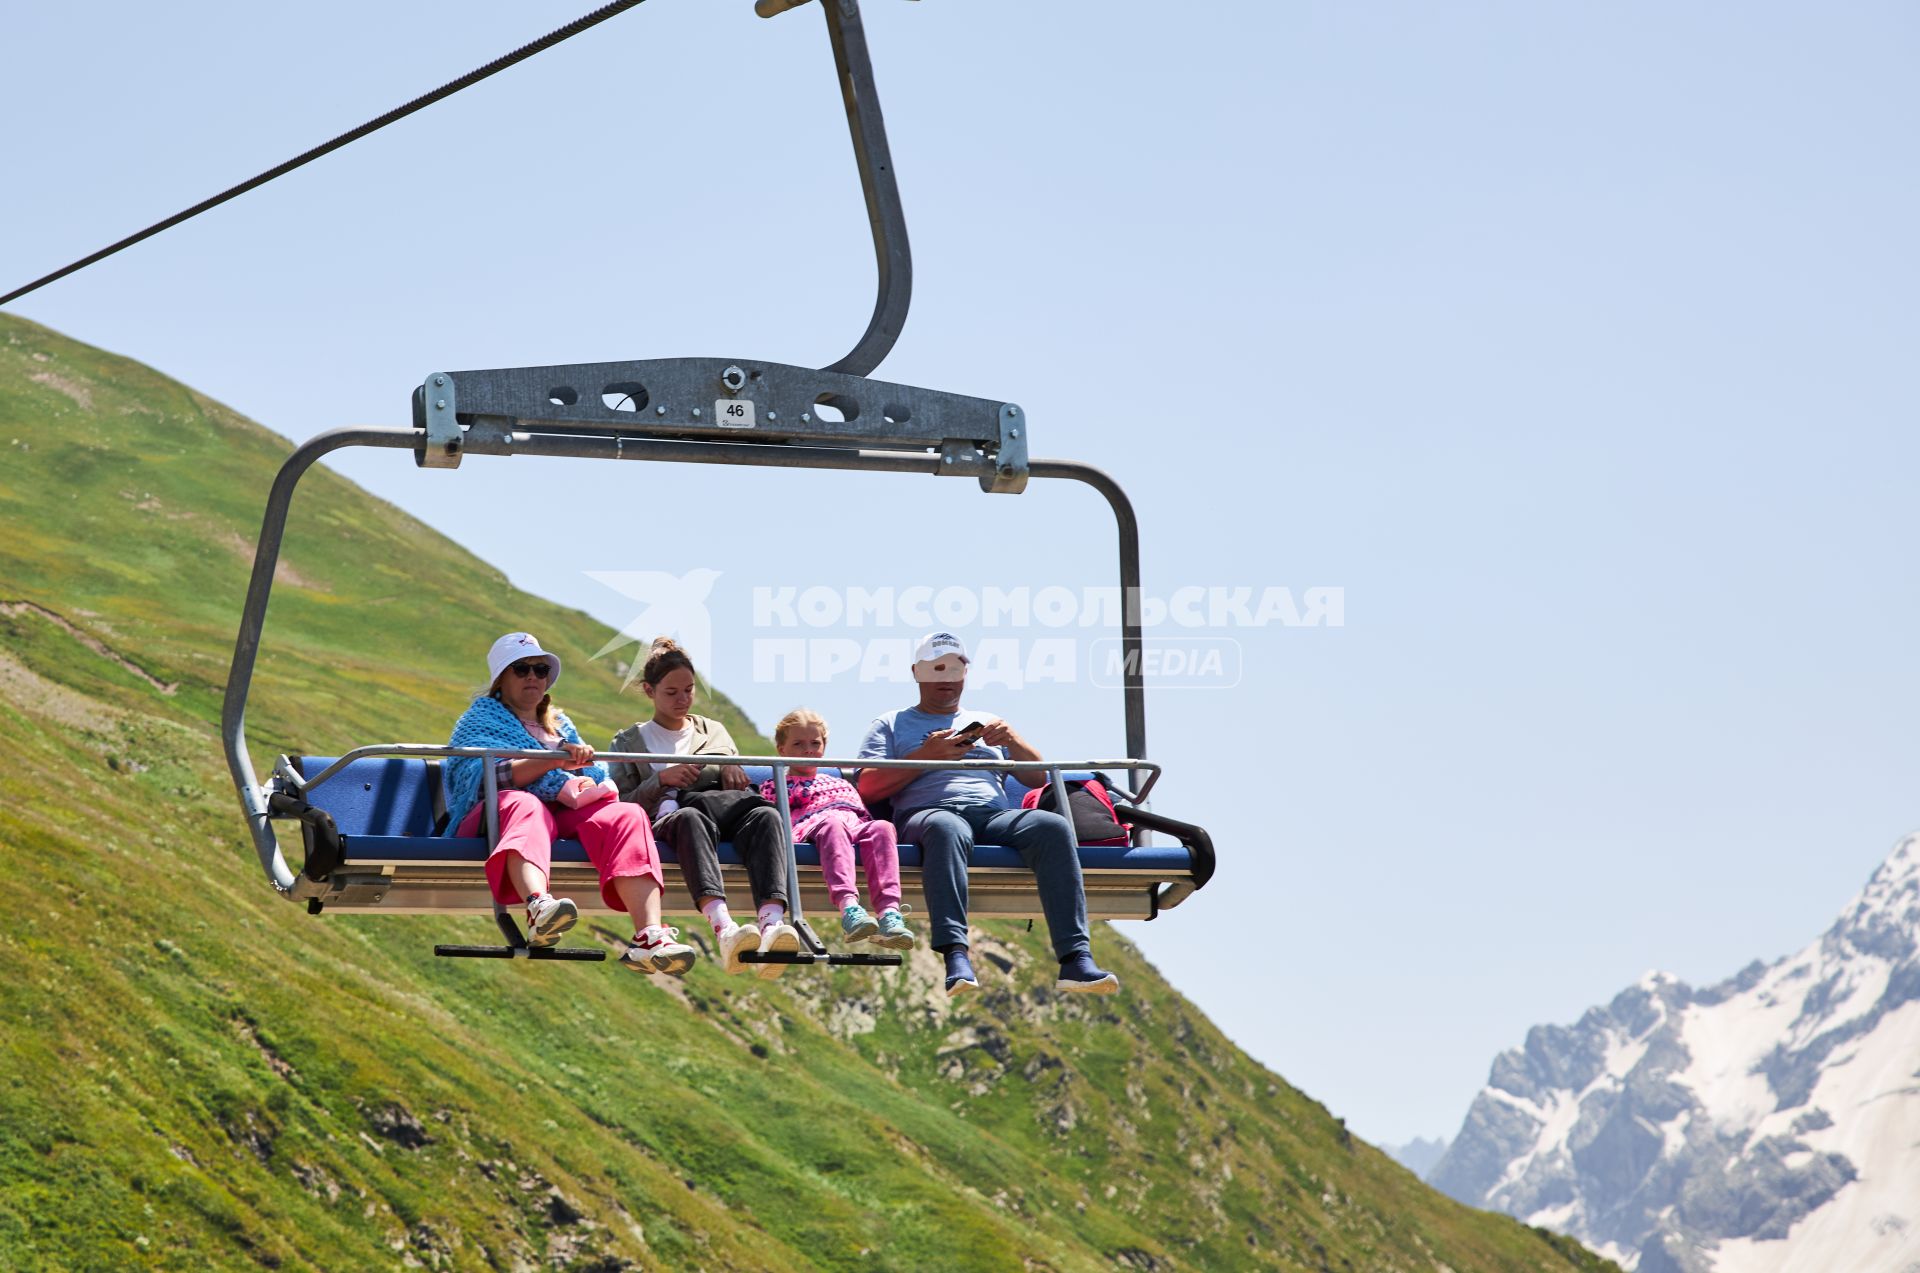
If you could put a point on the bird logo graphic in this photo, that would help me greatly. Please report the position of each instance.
(672, 605)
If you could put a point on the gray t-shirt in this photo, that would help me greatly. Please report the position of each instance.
(892, 736)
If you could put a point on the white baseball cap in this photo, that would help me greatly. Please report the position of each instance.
(514, 647)
(940, 656)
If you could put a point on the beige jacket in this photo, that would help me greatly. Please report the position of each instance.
(638, 782)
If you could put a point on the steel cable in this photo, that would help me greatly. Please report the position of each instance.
(499, 64)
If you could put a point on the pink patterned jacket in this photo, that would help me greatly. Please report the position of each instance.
(811, 799)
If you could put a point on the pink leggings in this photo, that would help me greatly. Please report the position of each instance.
(879, 857)
(615, 834)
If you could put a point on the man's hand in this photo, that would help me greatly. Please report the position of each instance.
(679, 776)
(1000, 734)
(882, 784)
(733, 777)
(940, 745)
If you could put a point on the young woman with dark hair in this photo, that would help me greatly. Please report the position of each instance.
(714, 802)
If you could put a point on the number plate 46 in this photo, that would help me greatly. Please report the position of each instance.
(733, 413)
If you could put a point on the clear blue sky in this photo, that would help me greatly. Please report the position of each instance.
(1575, 343)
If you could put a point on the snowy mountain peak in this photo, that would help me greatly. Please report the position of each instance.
(1769, 1122)
(1885, 917)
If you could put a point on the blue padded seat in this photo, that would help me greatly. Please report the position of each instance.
(385, 809)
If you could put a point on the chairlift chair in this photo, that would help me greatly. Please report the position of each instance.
(368, 817)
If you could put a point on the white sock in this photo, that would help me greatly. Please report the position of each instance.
(771, 914)
(841, 903)
(716, 912)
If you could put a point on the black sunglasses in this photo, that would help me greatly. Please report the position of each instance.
(524, 668)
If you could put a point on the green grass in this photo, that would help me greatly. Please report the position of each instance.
(197, 1074)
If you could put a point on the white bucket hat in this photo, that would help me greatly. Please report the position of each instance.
(940, 656)
(514, 647)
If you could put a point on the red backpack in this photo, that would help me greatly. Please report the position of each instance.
(1094, 821)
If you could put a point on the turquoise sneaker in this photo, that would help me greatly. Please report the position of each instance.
(856, 924)
(894, 933)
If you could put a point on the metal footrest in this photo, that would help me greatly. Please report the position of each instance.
(517, 948)
(577, 953)
(801, 957)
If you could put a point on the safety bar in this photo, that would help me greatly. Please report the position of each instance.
(777, 762)
(1194, 839)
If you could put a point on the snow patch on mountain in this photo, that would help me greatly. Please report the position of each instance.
(1875, 1096)
(1767, 1123)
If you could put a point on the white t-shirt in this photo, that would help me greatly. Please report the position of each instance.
(667, 742)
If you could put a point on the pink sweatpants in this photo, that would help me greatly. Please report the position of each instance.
(615, 834)
(837, 835)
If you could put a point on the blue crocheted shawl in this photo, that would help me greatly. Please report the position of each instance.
(488, 723)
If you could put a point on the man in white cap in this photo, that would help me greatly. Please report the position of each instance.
(945, 811)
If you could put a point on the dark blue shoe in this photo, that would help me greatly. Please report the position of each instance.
(960, 978)
(1080, 975)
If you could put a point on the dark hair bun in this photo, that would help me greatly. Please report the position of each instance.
(662, 658)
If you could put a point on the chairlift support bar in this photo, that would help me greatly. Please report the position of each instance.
(729, 401)
(487, 437)
(885, 213)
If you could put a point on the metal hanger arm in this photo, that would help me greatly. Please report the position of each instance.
(892, 254)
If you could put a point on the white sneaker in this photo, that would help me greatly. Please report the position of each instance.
(549, 918)
(669, 955)
(781, 937)
(735, 939)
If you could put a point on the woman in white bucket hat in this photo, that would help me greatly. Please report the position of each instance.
(546, 799)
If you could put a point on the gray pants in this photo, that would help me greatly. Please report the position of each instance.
(946, 835)
(756, 837)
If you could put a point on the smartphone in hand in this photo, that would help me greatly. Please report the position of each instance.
(969, 735)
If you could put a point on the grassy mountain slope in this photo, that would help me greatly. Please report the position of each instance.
(194, 1073)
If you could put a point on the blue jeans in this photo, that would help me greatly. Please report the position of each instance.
(946, 835)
